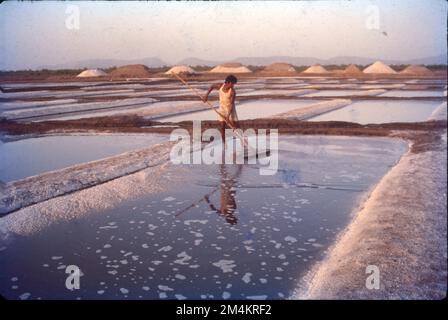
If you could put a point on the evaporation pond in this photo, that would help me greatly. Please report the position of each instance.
(412, 93)
(28, 157)
(365, 112)
(211, 232)
(246, 110)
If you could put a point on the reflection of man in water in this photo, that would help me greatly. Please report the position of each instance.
(228, 191)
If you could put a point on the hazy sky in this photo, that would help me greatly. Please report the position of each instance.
(33, 34)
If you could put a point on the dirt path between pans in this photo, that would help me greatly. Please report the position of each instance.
(134, 123)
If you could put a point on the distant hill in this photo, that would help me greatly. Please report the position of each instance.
(306, 61)
(199, 62)
(440, 59)
(154, 62)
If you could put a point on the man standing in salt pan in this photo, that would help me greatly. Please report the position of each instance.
(227, 111)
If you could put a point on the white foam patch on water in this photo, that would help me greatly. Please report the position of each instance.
(165, 249)
(25, 296)
(164, 288)
(259, 297)
(197, 234)
(246, 277)
(225, 295)
(180, 297)
(184, 257)
(180, 277)
(189, 222)
(225, 265)
(124, 290)
(290, 239)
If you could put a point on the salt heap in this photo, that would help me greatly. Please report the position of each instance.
(92, 73)
(279, 67)
(417, 70)
(181, 69)
(317, 68)
(131, 71)
(352, 69)
(230, 68)
(379, 67)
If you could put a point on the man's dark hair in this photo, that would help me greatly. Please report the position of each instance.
(231, 79)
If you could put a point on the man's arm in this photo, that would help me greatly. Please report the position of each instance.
(213, 86)
(232, 99)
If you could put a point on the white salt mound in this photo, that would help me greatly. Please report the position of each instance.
(379, 67)
(417, 70)
(92, 73)
(181, 69)
(230, 68)
(316, 69)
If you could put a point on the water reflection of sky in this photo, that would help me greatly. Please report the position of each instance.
(365, 112)
(27, 157)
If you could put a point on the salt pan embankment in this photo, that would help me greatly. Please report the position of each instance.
(401, 229)
(315, 109)
(21, 193)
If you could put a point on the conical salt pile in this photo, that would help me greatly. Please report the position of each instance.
(352, 69)
(279, 67)
(92, 73)
(416, 70)
(131, 71)
(181, 69)
(230, 68)
(379, 67)
(316, 69)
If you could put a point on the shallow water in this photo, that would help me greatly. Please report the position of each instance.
(167, 107)
(296, 91)
(219, 232)
(337, 93)
(365, 112)
(28, 157)
(247, 110)
(412, 93)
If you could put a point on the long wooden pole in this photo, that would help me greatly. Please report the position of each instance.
(213, 108)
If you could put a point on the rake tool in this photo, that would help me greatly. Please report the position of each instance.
(236, 133)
